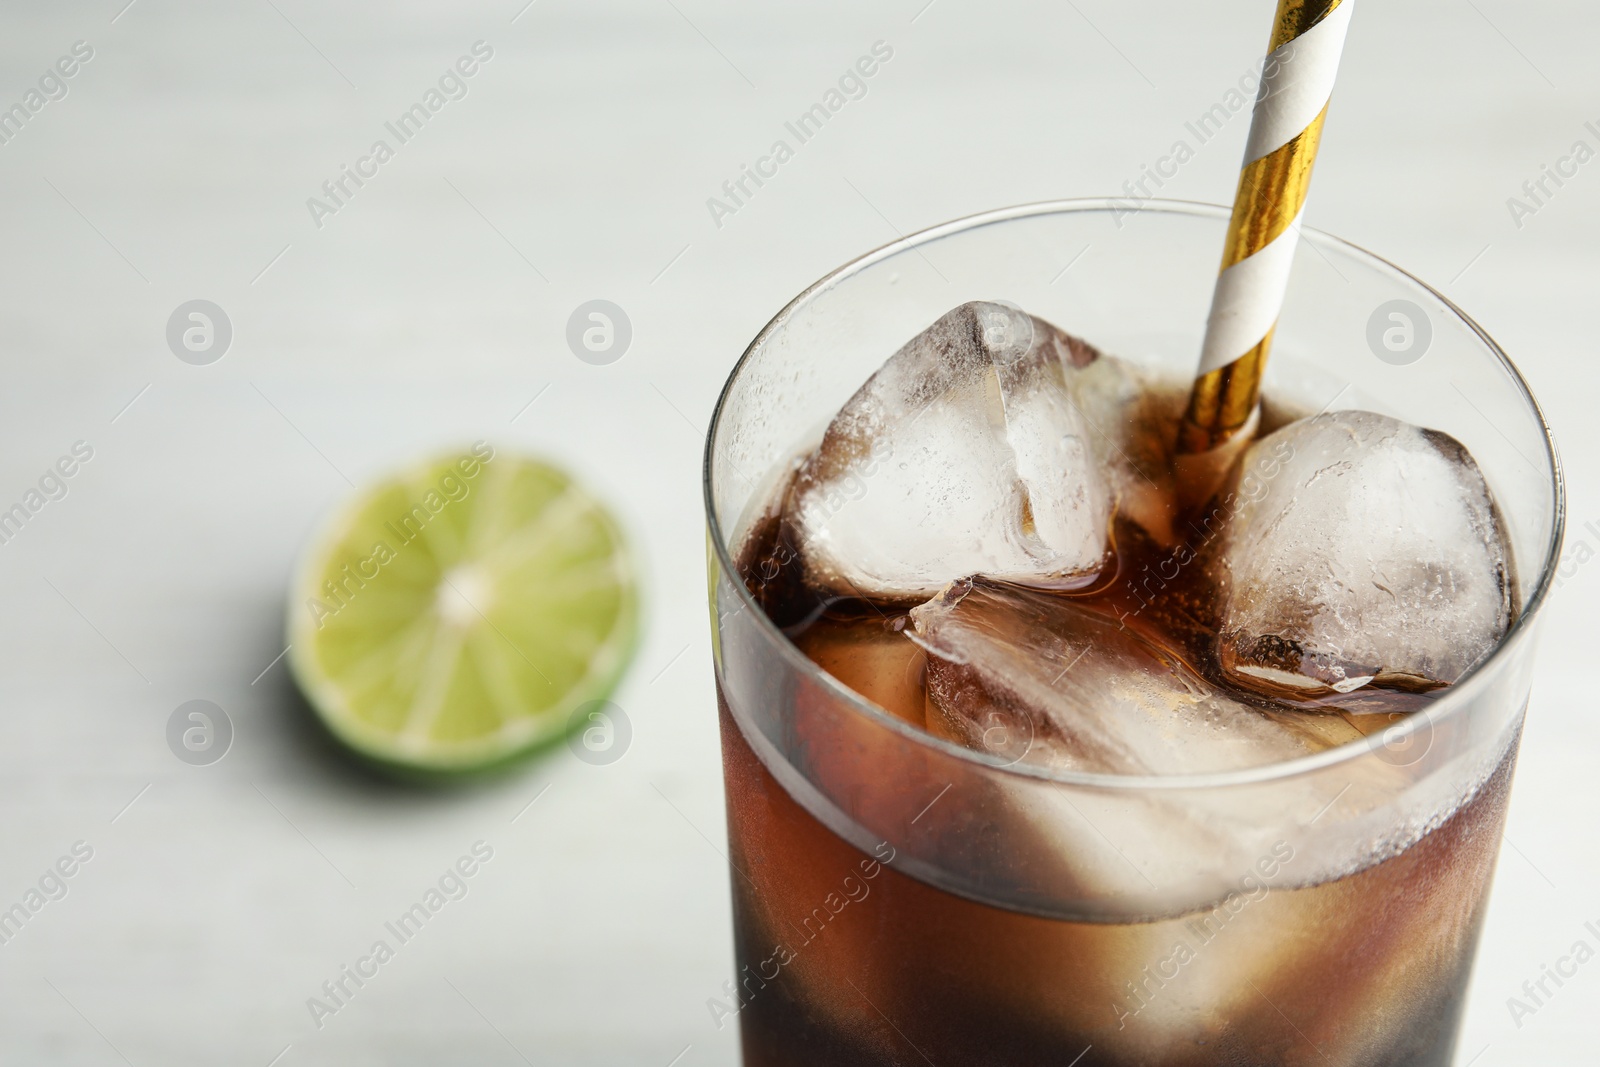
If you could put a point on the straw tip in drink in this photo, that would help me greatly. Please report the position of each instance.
(1199, 475)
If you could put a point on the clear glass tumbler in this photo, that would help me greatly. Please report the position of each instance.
(895, 901)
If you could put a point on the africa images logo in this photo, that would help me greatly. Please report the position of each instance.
(351, 978)
(452, 85)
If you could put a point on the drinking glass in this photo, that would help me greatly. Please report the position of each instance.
(899, 899)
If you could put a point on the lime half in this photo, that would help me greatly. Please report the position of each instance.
(453, 616)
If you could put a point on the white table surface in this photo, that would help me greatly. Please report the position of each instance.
(432, 308)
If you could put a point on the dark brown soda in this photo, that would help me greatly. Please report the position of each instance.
(1368, 969)
(907, 974)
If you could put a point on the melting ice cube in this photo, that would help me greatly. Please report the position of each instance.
(991, 443)
(1036, 676)
(1360, 548)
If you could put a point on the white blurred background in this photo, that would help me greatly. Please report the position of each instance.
(432, 307)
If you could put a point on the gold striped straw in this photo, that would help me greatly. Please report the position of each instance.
(1297, 79)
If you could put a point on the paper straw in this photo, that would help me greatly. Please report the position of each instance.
(1285, 128)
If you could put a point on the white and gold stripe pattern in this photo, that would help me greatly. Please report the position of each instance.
(1285, 128)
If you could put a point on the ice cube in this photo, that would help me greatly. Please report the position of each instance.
(1356, 549)
(1038, 676)
(978, 448)
(1034, 677)
(873, 659)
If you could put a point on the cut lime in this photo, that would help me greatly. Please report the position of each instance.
(453, 616)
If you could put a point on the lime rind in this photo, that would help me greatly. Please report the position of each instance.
(417, 674)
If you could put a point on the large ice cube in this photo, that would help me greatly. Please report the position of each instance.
(1036, 676)
(1358, 548)
(991, 443)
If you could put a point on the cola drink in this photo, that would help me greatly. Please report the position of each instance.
(1029, 763)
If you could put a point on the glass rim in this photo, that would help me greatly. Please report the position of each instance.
(1447, 706)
